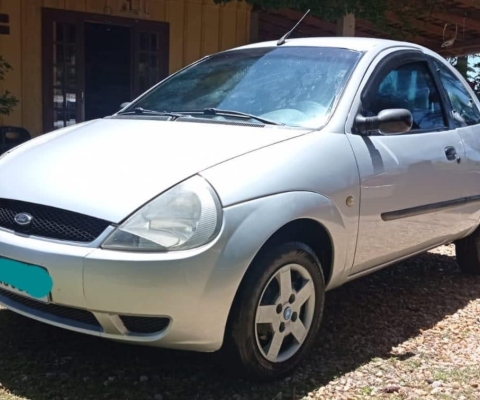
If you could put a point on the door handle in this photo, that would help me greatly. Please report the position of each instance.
(452, 154)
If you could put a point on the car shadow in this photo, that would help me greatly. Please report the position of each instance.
(363, 320)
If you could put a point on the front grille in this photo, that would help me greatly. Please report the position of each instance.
(144, 324)
(50, 222)
(61, 314)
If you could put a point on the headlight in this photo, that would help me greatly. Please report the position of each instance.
(187, 216)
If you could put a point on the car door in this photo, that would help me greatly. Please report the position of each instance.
(464, 109)
(412, 184)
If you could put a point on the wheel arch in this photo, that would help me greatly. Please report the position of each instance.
(304, 230)
(307, 231)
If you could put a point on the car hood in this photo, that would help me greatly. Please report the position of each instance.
(110, 167)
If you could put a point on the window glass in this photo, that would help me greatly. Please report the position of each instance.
(292, 85)
(411, 87)
(465, 111)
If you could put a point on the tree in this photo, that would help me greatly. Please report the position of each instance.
(7, 101)
(475, 76)
(469, 67)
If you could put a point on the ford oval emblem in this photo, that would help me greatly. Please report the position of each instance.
(23, 219)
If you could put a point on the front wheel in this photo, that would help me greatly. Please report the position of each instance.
(277, 313)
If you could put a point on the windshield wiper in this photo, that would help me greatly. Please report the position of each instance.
(207, 111)
(229, 113)
(143, 111)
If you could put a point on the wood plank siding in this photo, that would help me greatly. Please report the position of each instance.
(197, 28)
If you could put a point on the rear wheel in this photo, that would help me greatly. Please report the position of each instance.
(277, 313)
(468, 253)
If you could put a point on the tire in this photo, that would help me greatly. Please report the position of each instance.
(248, 342)
(468, 253)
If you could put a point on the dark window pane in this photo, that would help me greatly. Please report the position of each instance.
(58, 75)
(58, 98)
(143, 64)
(58, 119)
(144, 41)
(71, 34)
(153, 61)
(143, 83)
(154, 42)
(154, 75)
(71, 77)
(71, 55)
(58, 54)
(58, 32)
(71, 109)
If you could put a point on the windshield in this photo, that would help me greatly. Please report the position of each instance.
(295, 86)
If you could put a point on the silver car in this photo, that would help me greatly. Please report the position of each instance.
(213, 212)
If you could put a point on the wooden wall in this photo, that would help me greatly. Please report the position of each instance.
(11, 49)
(197, 28)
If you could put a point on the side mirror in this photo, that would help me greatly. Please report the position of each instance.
(393, 121)
(123, 105)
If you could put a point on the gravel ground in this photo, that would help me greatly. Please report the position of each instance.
(411, 331)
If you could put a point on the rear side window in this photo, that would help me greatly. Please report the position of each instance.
(465, 111)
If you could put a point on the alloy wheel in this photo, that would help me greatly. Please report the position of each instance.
(285, 313)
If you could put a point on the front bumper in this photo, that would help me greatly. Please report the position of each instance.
(110, 293)
(173, 300)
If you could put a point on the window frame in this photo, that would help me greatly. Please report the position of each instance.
(433, 61)
(396, 60)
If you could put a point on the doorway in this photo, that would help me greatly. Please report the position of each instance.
(108, 64)
(92, 63)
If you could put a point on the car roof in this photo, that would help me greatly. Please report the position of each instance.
(352, 43)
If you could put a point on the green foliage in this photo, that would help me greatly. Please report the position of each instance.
(7, 101)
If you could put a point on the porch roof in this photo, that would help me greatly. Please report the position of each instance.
(451, 19)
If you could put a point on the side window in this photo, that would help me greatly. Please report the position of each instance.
(465, 110)
(409, 86)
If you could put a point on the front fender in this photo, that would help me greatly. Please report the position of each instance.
(249, 225)
(257, 220)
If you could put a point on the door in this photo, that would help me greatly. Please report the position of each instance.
(466, 116)
(108, 68)
(65, 37)
(411, 184)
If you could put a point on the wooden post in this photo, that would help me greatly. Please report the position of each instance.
(254, 17)
(346, 25)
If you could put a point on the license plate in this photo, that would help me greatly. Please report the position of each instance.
(26, 280)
